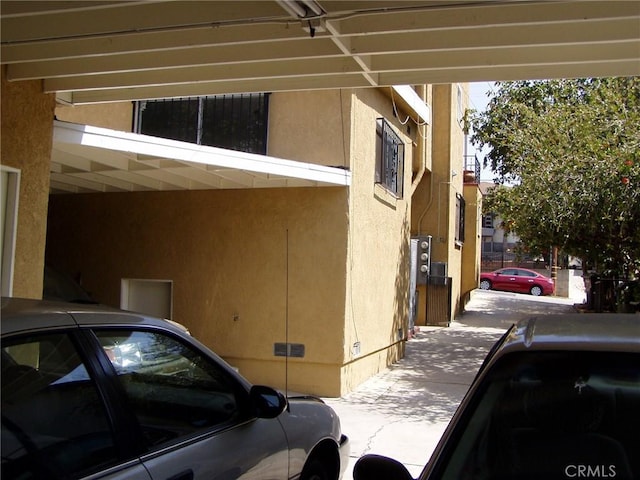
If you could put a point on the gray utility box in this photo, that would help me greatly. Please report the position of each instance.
(421, 259)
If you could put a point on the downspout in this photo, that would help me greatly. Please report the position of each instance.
(423, 165)
(429, 203)
(421, 150)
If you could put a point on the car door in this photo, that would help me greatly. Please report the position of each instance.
(193, 414)
(515, 281)
(519, 281)
(528, 280)
(55, 423)
(505, 279)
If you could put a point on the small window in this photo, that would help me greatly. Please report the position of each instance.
(54, 424)
(173, 390)
(460, 104)
(389, 158)
(487, 221)
(460, 213)
(9, 188)
(235, 122)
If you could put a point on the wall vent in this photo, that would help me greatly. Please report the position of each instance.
(288, 350)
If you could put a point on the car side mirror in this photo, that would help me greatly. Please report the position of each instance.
(266, 402)
(377, 467)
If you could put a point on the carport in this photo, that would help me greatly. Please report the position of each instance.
(86, 52)
(91, 52)
(112, 52)
(92, 159)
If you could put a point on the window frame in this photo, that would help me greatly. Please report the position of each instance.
(390, 159)
(488, 221)
(9, 226)
(240, 390)
(460, 219)
(123, 448)
(246, 114)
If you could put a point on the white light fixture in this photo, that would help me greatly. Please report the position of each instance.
(314, 7)
(302, 9)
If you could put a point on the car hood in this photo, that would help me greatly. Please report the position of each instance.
(302, 397)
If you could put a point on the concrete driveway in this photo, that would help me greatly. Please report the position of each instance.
(403, 411)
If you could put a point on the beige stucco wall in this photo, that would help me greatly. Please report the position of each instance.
(378, 258)
(226, 251)
(313, 127)
(27, 130)
(347, 249)
(338, 128)
(470, 275)
(422, 200)
(434, 201)
(242, 262)
(116, 116)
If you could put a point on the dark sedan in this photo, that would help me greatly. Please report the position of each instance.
(518, 280)
(92, 392)
(556, 398)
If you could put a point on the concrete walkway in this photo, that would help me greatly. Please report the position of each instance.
(403, 411)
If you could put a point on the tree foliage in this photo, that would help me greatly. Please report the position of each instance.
(571, 150)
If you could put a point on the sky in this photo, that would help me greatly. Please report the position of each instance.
(478, 99)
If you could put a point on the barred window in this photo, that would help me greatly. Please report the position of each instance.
(389, 158)
(235, 122)
(460, 206)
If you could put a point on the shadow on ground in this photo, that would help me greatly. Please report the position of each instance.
(403, 411)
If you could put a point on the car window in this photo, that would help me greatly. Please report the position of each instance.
(550, 415)
(54, 424)
(509, 271)
(524, 273)
(173, 389)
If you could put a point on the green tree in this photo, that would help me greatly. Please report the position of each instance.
(571, 151)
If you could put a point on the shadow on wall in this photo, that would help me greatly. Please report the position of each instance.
(400, 322)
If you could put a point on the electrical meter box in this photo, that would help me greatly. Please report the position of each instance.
(421, 258)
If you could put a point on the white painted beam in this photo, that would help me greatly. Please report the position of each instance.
(101, 138)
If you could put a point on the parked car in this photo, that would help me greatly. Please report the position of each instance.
(519, 280)
(93, 392)
(558, 397)
(59, 286)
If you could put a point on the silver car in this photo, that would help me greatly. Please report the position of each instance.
(91, 392)
(557, 398)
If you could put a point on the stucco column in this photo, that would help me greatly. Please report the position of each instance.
(26, 136)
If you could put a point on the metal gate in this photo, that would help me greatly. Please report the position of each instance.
(438, 301)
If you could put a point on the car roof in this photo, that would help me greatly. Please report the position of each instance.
(23, 315)
(575, 331)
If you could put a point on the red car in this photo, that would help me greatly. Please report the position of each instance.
(519, 280)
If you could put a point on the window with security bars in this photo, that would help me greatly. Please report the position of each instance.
(389, 158)
(235, 122)
(460, 207)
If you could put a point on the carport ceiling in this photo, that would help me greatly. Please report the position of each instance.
(87, 159)
(101, 51)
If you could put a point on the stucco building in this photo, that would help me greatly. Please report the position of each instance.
(498, 246)
(301, 252)
(306, 247)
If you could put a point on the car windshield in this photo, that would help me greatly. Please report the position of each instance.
(551, 415)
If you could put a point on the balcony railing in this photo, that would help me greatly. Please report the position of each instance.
(471, 169)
